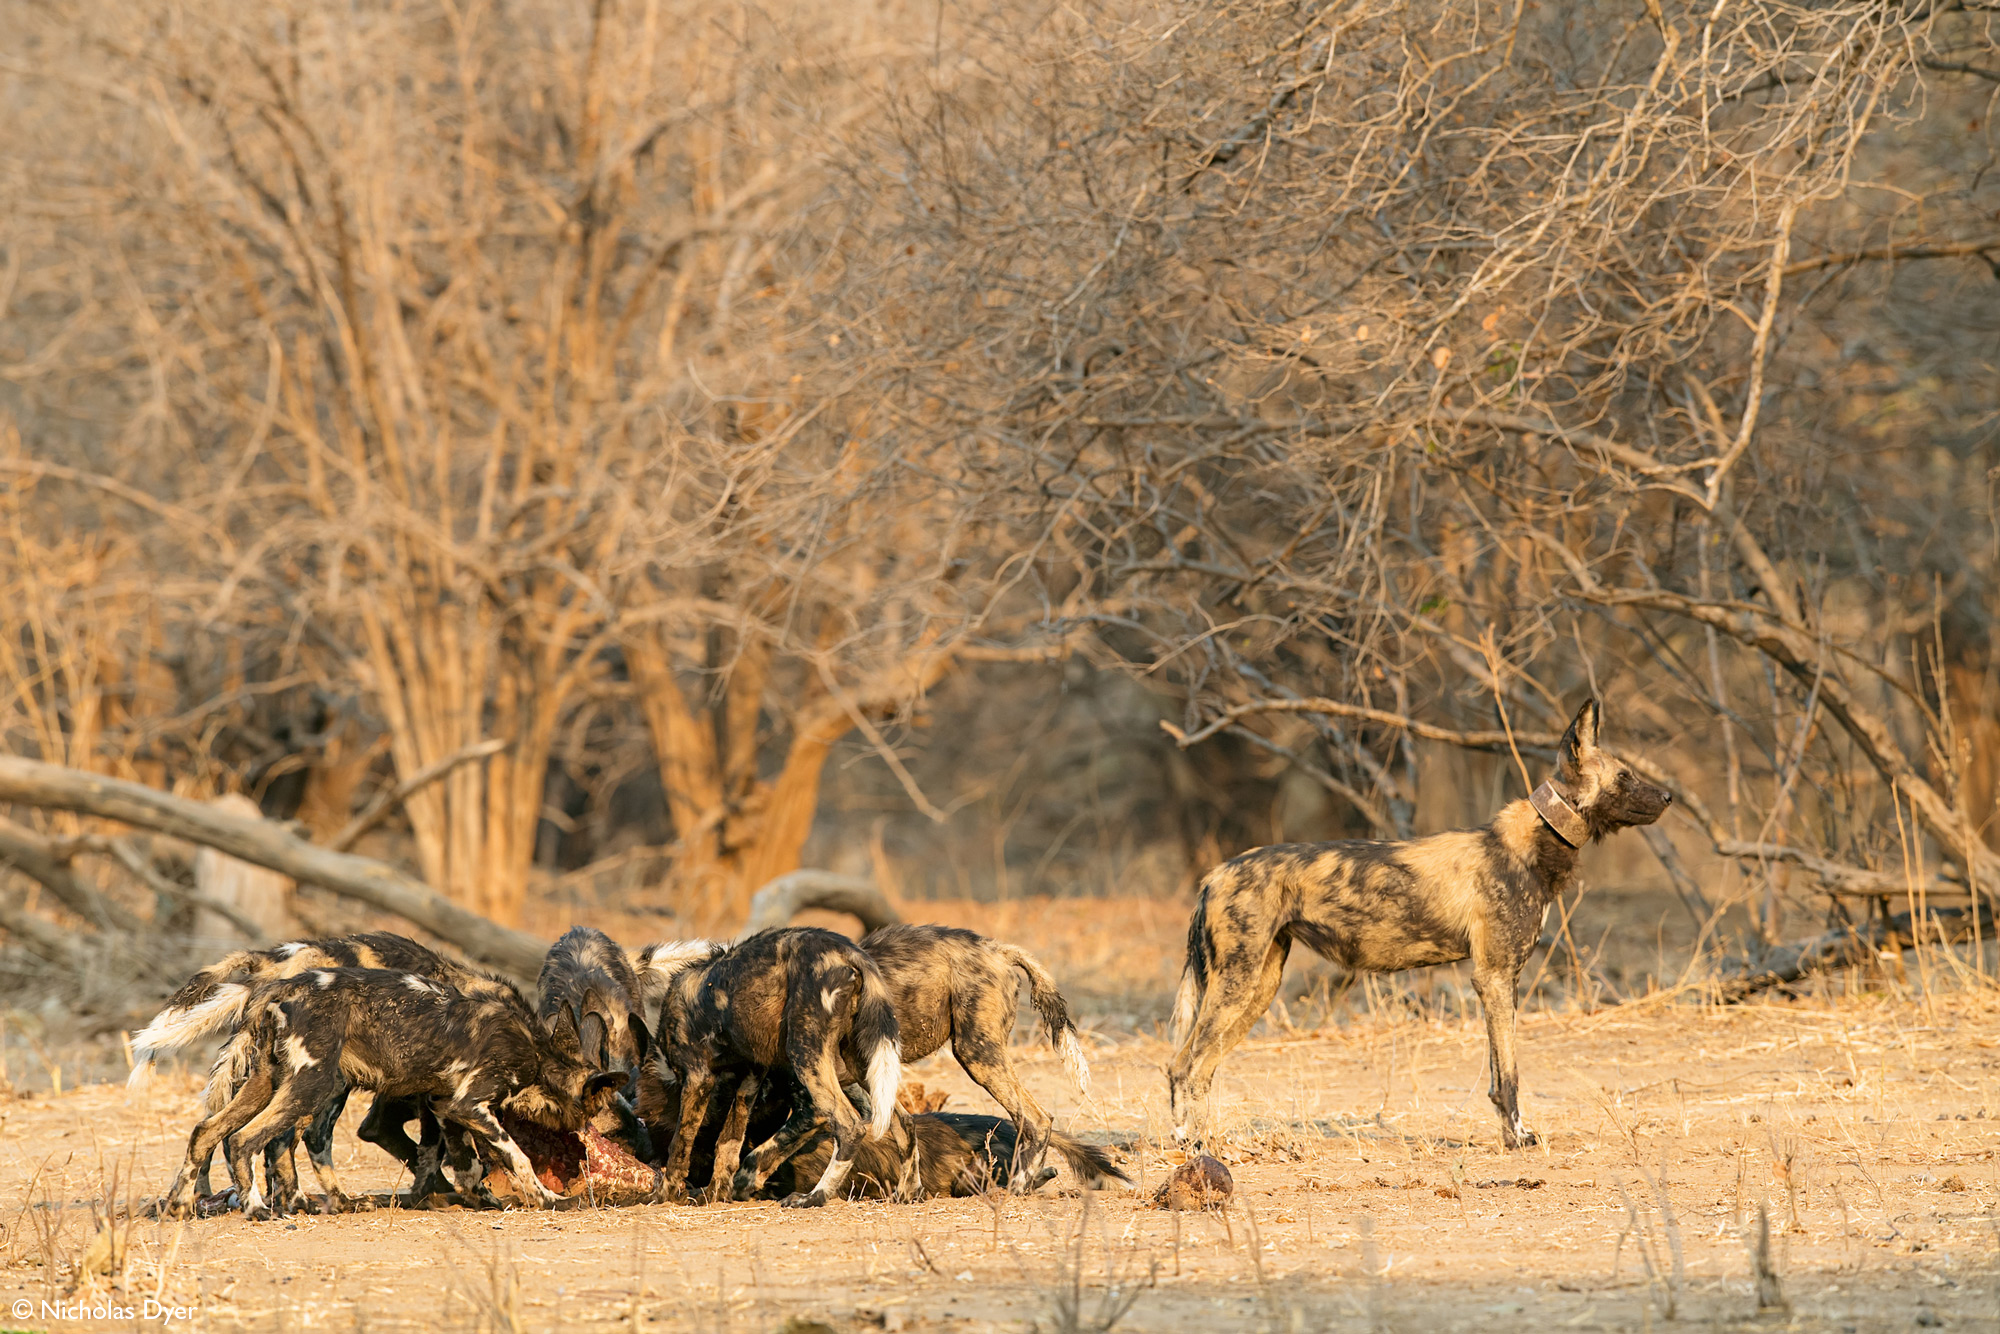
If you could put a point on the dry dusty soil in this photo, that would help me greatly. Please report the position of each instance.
(1372, 1194)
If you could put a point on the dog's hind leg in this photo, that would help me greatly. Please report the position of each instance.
(214, 1130)
(822, 1086)
(1495, 987)
(319, 1151)
(479, 1119)
(991, 1070)
(302, 1090)
(804, 1122)
(281, 1173)
(1241, 986)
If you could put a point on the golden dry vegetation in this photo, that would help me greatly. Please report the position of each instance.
(592, 457)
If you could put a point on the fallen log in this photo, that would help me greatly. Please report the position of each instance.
(44, 859)
(53, 787)
(1850, 945)
(784, 898)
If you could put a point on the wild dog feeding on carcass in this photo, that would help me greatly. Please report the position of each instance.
(592, 1001)
(792, 1000)
(214, 1000)
(466, 1058)
(1480, 894)
(956, 986)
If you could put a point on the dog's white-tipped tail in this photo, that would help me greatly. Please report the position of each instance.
(658, 964)
(175, 1027)
(1073, 1061)
(885, 1074)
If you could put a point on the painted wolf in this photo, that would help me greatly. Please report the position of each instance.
(1479, 894)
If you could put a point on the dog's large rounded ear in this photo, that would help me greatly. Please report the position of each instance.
(562, 1027)
(590, 1039)
(642, 1040)
(1579, 743)
(608, 1079)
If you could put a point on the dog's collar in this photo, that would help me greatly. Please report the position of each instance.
(1560, 816)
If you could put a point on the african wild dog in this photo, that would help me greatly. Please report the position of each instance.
(1480, 894)
(593, 1003)
(656, 1101)
(467, 1058)
(792, 1000)
(214, 999)
(956, 986)
(959, 1154)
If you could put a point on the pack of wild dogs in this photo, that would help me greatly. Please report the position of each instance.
(792, 1041)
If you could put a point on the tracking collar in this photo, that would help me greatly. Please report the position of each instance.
(1560, 816)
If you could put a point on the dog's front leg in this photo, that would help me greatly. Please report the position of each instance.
(479, 1119)
(697, 1086)
(729, 1144)
(1495, 986)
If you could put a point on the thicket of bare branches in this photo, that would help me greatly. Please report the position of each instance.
(559, 396)
(1395, 372)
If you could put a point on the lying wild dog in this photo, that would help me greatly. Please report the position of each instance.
(466, 1058)
(214, 999)
(1480, 894)
(592, 1002)
(958, 1154)
(957, 986)
(795, 1000)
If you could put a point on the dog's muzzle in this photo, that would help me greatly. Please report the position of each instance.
(1554, 808)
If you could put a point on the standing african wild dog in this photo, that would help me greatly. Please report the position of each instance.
(1480, 894)
(794, 999)
(468, 1058)
(215, 999)
(952, 985)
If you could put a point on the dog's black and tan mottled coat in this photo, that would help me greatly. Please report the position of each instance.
(959, 1154)
(796, 1000)
(214, 999)
(466, 1059)
(949, 985)
(1478, 894)
(592, 1001)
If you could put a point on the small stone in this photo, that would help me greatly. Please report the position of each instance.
(1955, 1184)
(1200, 1183)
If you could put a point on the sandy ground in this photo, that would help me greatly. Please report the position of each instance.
(1372, 1194)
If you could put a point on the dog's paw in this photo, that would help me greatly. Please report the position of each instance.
(812, 1199)
(743, 1185)
(259, 1212)
(1522, 1139)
